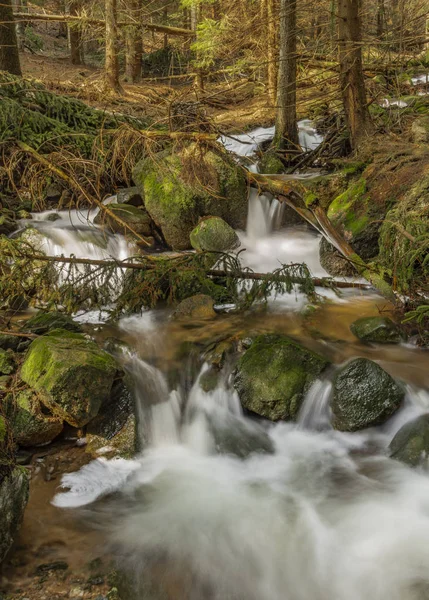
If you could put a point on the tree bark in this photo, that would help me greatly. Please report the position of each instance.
(271, 49)
(134, 46)
(9, 54)
(352, 80)
(111, 63)
(195, 19)
(75, 38)
(286, 135)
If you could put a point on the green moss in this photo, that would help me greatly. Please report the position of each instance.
(3, 430)
(270, 164)
(7, 362)
(46, 321)
(14, 489)
(180, 188)
(379, 330)
(72, 375)
(274, 374)
(30, 427)
(214, 235)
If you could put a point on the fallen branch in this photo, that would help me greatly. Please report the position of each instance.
(75, 185)
(20, 16)
(31, 336)
(327, 282)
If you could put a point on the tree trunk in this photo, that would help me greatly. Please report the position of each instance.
(381, 19)
(165, 21)
(195, 19)
(9, 55)
(286, 136)
(352, 80)
(75, 38)
(134, 46)
(271, 49)
(112, 65)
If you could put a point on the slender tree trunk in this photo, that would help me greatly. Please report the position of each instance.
(381, 19)
(272, 49)
(9, 55)
(134, 45)
(195, 19)
(352, 80)
(165, 21)
(286, 136)
(75, 38)
(111, 64)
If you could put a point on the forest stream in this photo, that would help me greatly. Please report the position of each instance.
(218, 504)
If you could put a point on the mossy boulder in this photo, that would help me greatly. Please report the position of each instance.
(274, 374)
(195, 307)
(420, 130)
(137, 218)
(72, 375)
(10, 342)
(333, 261)
(270, 164)
(411, 444)
(380, 330)
(48, 321)
(14, 487)
(7, 224)
(179, 188)
(7, 362)
(364, 396)
(214, 235)
(30, 426)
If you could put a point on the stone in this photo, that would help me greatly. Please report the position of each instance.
(213, 234)
(274, 374)
(195, 307)
(364, 396)
(14, 488)
(7, 224)
(420, 130)
(72, 375)
(209, 380)
(333, 261)
(124, 443)
(130, 196)
(9, 342)
(53, 193)
(137, 218)
(181, 187)
(270, 163)
(52, 217)
(380, 330)
(411, 444)
(48, 321)
(7, 362)
(235, 436)
(30, 426)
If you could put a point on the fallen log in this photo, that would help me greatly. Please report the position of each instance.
(20, 16)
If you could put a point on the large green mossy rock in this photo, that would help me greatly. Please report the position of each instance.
(14, 488)
(274, 374)
(364, 396)
(214, 235)
(411, 444)
(379, 330)
(137, 218)
(180, 188)
(72, 375)
(30, 426)
(47, 321)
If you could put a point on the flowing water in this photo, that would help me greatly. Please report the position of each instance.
(220, 506)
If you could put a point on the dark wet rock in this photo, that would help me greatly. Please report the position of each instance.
(114, 412)
(364, 396)
(380, 330)
(411, 444)
(14, 488)
(47, 321)
(130, 196)
(53, 193)
(58, 565)
(53, 217)
(7, 362)
(9, 342)
(7, 224)
(137, 218)
(30, 426)
(209, 380)
(195, 307)
(274, 374)
(189, 185)
(333, 262)
(213, 234)
(71, 374)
